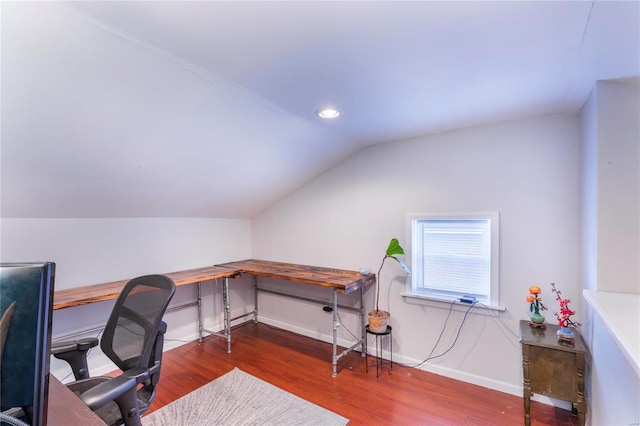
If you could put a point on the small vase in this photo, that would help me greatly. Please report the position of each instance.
(537, 318)
(565, 333)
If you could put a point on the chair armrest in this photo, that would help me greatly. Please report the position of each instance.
(139, 373)
(122, 390)
(75, 354)
(112, 388)
(108, 391)
(155, 368)
(75, 345)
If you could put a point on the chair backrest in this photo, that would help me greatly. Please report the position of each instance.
(130, 334)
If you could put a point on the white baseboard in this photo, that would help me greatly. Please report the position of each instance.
(436, 369)
(104, 365)
(99, 364)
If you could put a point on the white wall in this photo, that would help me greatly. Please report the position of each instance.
(92, 251)
(610, 230)
(618, 187)
(589, 194)
(527, 170)
(614, 386)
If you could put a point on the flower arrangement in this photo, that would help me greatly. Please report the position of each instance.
(535, 300)
(564, 317)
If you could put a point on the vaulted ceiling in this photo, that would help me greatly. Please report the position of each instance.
(207, 109)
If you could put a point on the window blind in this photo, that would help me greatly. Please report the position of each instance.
(456, 256)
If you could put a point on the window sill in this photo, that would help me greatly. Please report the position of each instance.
(440, 302)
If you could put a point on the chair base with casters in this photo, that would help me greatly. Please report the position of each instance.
(133, 339)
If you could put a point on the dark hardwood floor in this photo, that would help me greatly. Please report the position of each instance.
(302, 366)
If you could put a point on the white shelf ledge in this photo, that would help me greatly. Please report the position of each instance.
(620, 314)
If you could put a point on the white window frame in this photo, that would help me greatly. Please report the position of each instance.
(492, 299)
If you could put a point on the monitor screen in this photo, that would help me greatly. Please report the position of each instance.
(26, 307)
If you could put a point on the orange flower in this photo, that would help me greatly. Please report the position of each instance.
(530, 299)
(534, 289)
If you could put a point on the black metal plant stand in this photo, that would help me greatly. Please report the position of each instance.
(379, 360)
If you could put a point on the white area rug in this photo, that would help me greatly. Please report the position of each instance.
(238, 398)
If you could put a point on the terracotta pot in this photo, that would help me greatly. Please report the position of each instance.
(378, 321)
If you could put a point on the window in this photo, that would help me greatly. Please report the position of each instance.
(454, 256)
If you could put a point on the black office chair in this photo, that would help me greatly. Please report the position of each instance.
(133, 339)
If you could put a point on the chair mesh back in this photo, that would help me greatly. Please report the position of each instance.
(131, 330)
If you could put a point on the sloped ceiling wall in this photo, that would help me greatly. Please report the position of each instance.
(206, 109)
(95, 124)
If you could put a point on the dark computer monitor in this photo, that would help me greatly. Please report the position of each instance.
(26, 307)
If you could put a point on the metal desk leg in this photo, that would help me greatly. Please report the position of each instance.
(363, 332)
(227, 313)
(335, 332)
(255, 298)
(199, 301)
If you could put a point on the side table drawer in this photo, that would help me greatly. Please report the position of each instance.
(553, 373)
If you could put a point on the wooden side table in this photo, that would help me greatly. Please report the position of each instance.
(552, 368)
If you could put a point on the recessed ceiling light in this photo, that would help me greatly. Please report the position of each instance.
(328, 113)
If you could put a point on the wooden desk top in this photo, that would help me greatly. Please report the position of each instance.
(342, 280)
(65, 408)
(108, 291)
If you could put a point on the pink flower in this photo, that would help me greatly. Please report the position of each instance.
(564, 317)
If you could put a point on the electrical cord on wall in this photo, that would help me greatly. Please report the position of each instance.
(346, 328)
(502, 324)
(444, 326)
(505, 328)
(457, 334)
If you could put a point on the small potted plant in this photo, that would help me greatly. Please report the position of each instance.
(564, 318)
(536, 305)
(379, 319)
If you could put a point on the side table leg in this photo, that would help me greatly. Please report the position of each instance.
(581, 403)
(527, 385)
(527, 408)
